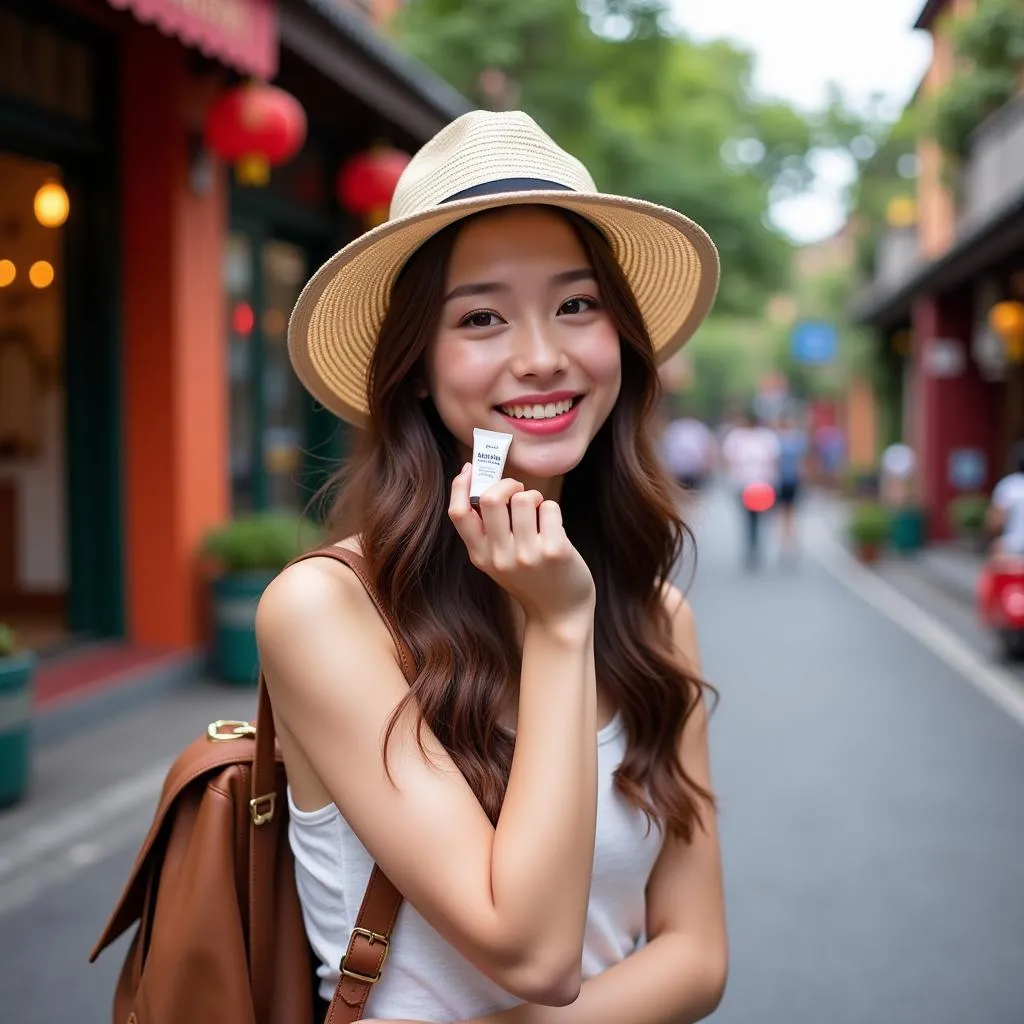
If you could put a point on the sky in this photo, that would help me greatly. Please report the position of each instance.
(865, 46)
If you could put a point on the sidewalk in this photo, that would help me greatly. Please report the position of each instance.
(96, 682)
(952, 569)
(945, 565)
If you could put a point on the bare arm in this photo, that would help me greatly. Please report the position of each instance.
(511, 899)
(679, 976)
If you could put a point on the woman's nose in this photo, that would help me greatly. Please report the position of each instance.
(536, 353)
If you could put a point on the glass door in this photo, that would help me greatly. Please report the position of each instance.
(284, 271)
(34, 571)
(269, 412)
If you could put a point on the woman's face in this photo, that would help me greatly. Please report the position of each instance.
(524, 344)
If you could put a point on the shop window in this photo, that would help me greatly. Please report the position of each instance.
(268, 412)
(241, 320)
(284, 271)
(33, 209)
(42, 69)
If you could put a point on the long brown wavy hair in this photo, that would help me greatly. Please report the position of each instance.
(619, 510)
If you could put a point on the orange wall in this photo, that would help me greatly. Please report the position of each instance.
(861, 423)
(936, 209)
(936, 215)
(174, 358)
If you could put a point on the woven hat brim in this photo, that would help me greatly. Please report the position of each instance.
(669, 260)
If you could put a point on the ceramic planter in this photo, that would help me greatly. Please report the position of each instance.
(16, 673)
(234, 656)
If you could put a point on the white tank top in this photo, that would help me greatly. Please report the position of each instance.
(425, 979)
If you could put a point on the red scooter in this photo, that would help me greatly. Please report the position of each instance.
(1001, 602)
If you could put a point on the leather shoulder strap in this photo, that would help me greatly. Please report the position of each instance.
(368, 944)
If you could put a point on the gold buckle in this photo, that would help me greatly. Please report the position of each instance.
(262, 808)
(371, 937)
(230, 729)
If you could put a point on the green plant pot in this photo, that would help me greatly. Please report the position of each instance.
(907, 532)
(16, 672)
(235, 596)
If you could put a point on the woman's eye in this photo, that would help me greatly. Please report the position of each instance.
(576, 305)
(481, 318)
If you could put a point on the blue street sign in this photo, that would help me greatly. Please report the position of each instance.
(966, 469)
(815, 342)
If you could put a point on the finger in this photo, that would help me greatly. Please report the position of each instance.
(525, 526)
(549, 520)
(463, 516)
(494, 512)
(458, 504)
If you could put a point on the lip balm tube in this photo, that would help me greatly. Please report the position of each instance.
(490, 448)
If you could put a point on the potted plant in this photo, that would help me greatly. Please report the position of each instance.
(966, 515)
(17, 668)
(246, 554)
(869, 529)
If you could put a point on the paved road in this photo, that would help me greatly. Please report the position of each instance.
(870, 810)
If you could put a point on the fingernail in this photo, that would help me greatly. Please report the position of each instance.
(467, 466)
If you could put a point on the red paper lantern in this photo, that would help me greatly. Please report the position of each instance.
(367, 182)
(255, 127)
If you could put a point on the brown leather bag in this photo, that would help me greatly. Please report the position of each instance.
(220, 936)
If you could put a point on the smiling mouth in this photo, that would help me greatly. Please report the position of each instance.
(540, 412)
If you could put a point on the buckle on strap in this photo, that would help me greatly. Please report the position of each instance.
(230, 729)
(373, 938)
(262, 808)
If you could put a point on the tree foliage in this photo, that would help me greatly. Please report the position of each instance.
(651, 113)
(883, 152)
(989, 46)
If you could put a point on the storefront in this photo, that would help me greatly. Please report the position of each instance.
(283, 447)
(961, 384)
(145, 393)
(60, 499)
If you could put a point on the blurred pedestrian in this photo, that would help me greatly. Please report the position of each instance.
(556, 711)
(793, 449)
(751, 455)
(688, 450)
(830, 443)
(1006, 509)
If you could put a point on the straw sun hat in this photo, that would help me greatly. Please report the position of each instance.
(480, 161)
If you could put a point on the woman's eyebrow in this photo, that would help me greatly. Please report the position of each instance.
(475, 288)
(569, 276)
(488, 287)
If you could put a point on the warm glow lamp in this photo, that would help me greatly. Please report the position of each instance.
(51, 205)
(41, 274)
(1007, 320)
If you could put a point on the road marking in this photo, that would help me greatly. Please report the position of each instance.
(44, 876)
(89, 821)
(1001, 687)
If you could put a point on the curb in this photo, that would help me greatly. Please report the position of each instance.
(57, 722)
(951, 588)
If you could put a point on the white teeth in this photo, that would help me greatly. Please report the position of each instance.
(537, 412)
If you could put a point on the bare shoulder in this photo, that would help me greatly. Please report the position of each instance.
(307, 587)
(311, 601)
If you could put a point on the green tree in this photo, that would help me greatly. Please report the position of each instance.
(651, 113)
(988, 42)
(883, 154)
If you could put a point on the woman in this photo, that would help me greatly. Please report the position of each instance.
(540, 796)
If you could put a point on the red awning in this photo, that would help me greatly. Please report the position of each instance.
(239, 33)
